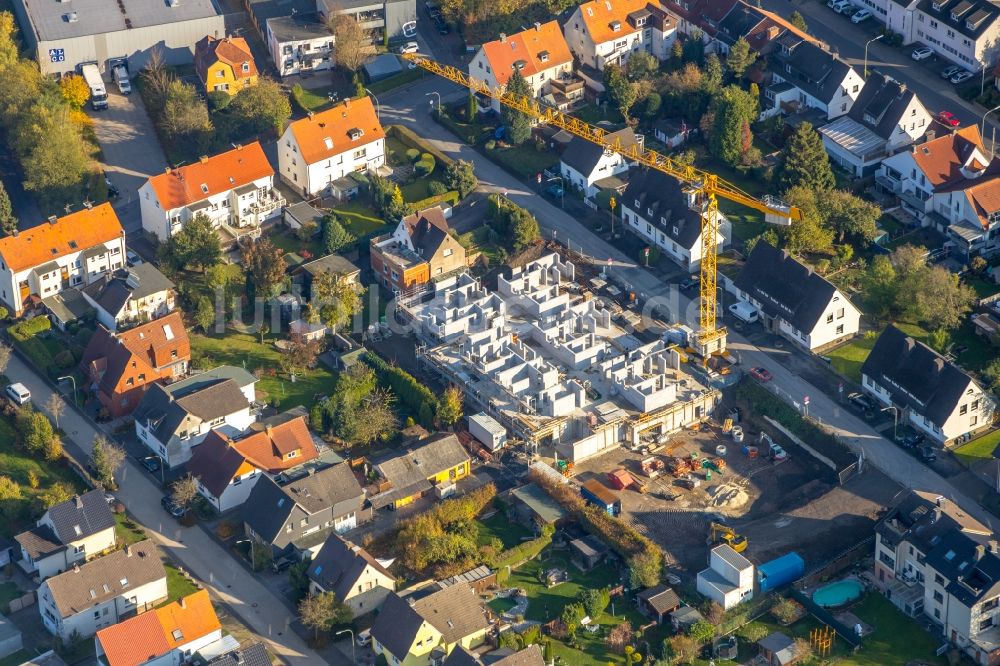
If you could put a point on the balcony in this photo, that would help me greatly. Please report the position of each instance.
(910, 198)
(889, 185)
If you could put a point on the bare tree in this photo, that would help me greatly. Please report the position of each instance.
(183, 492)
(106, 459)
(351, 41)
(55, 406)
(5, 352)
(157, 79)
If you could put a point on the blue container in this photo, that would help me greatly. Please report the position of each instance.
(786, 569)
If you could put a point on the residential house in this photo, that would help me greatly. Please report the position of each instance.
(11, 640)
(539, 53)
(254, 654)
(347, 570)
(103, 592)
(885, 118)
(172, 420)
(760, 28)
(299, 43)
(418, 629)
(794, 301)
(658, 602)
(66, 307)
(700, 17)
(166, 636)
(778, 649)
(480, 579)
(529, 656)
(69, 251)
(331, 263)
(728, 580)
(228, 468)
(299, 516)
(609, 31)
(68, 533)
(234, 189)
(589, 167)
(934, 561)
(684, 618)
(224, 65)
(929, 392)
(317, 151)
(965, 32)
(438, 462)
(671, 132)
(667, 214)
(971, 208)
(130, 295)
(805, 75)
(420, 249)
(384, 20)
(922, 177)
(120, 367)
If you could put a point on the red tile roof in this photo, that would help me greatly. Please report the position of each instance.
(210, 176)
(326, 134)
(527, 48)
(268, 449)
(68, 234)
(155, 341)
(232, 51)
(942, 159)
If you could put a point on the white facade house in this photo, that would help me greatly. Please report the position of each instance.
(234, 189)
(932, 394)
(805, 75)
(68, 534)
(885, 118)
(728, 580)
(317, 151)
(67, 252)
(172, 420)
(657, 208)
(103, 592)
(609, 31)
(299, 43)
(137, 294)
(587, 166)
(793, 300)
(350, 572)
(966, 32)
(539, 53)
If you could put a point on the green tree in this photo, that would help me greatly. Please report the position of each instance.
(299, 355)
(204, 314)
(694, 47)
(472, 108)
(641, 65)
(805, 161)
(74, 90)
(265, 262)
(518, 124)
(261, 107)
(461, 177)
(808, 234)
(335, 299)
(651, 106)
(645, 568)
(525, 229)
(740, 58)
(992, 373)
(850, 216)
(712, 74)
(572, 613)
(450, 407)
(8, 222)
(734, 110)
(879, 284)
(702, 631)
(106, 458)
(335, 237)
(353, 44)
(621, 91)
(34, 430)
(595, 601)
(55, 156)
(196, 244)
(769, 236)
(799, 21)
(677, 53)
(321, 612)
(184, 118)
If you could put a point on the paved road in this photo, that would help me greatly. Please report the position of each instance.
(191, 547)
(879, 451)
(849, 40)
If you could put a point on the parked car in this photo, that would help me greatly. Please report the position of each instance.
(151, 463)
(409, 47)
(948, 118)
(850, 10)
(927, 453)
(281, 564)
(910, 440)
(861, 16)
(364, 638)
(961, 77)
(132, 258)
(839, 6)
(761, 374)
(442, 26)
(554, 191)
(690, 282)
(922, 53)
(18, 393)
(950, 71)
(862, 402)
(168, 505)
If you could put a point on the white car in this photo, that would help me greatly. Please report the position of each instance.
(962, 76)
(19, 393)
(922, 53)
(132, 258)
(862, 15)
(409, 47)
(364, 638)
(841, 6)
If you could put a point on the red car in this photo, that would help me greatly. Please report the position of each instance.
(948, 118)
(760, 374)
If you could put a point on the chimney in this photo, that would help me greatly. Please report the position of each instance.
(310, 114)
(980, 551)
(929, 135)
(538, 26)
(993, 546)
(76, 568)
(503, 37)
(203, 159)
(269, 429)
(53, 219)
(182, 603)
(78, 501)
(128, 551)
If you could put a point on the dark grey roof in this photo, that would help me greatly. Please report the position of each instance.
(529, 656)
(339, 564)
(916, 375)
(68, 305)
(583, 155)
(298, 28)
(540, 502)
(454, 611)
(740, 20)
(813, 70)
(973, 18)
(267, 508)
(112, 292)
(254, 654)
(785, 288)
(39, 542)
(731, 557)
(81, 516)
(333, 263)
(881, 104)
(663, 203)
(661, 598)
(302, 211)
(169, 412)
(423, 462)
(262, 10)
(396, 625)
(776, 642)
(49, 658)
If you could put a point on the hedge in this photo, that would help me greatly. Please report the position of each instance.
(407, 137)
(523, 552)
(418, 398)
(450, 197)
(29, 328)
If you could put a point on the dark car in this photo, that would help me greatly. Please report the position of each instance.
(281, 564)
(690, 283)
(862, 402)
(168, 505)
(151, 463)
(927, 453)
(910, 440)
(554, 191)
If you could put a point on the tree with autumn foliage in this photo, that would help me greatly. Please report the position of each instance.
(74, 90)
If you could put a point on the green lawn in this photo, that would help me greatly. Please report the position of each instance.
(401, 79)
(126, 530)
(596, 114)
(501, 605)
(289, 242)
(847, 359)
(359, 218)
(982, 287)
(177, 585)
(241, 349)
(510, 532)
(524, 160)
(20, 467)
(979, 449)
(313, 99)
(16, 659)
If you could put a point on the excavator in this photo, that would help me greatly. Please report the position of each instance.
(719, 533)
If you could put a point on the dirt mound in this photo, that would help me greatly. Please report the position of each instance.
(727, 496)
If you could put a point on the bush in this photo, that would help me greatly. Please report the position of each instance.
(29, 328)
(491, 144)
(412, 154)
(523, 552)
(415, 396)
(437, 188)
(64, 359)
(425, 166)
(4, 313)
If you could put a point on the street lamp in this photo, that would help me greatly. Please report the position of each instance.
(895, 418)
(434, 92)
(982, 124)
(354, 657)
(378, 112)
(873, 39)
(562, 190)
(72, 379)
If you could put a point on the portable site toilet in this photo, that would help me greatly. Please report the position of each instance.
(488, 431)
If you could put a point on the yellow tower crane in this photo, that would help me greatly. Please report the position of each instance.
(707, 186)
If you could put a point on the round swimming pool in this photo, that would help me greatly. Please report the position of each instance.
(838, 594)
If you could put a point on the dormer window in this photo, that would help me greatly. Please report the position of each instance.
(355, 133)
(328, 142)
(246, 68)
(938, 5)
(616, 26)
(204, 188)
(637, 204)
(543, 56)
(870, 119)
(519, 65)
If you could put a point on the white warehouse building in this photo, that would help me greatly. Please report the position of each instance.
(65, 34)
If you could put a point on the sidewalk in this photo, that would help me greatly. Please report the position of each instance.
(268, 616)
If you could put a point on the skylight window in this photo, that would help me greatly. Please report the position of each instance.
(204, 188)
(177, 634)
(328, 142)
(168, 332)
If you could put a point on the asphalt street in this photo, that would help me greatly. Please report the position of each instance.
(405, 107)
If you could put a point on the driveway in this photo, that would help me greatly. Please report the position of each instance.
(131, 151)
(860, 436)
(266, 614)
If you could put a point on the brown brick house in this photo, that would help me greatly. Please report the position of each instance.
(419, 250)
(121, 367)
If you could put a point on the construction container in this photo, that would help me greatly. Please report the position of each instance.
(596, 493)
(488, 431)
(782, 571)
(620, 479)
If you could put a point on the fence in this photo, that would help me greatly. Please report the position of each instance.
(24, 601)
(838, 562)
(827, 618)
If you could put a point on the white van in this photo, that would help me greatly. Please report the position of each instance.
(745, 312)
(19, 393)
(121, 78)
